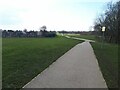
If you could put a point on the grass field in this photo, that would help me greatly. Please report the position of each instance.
(108, 61)
(24, 58)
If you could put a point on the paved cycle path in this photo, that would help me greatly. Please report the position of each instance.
(78, 68)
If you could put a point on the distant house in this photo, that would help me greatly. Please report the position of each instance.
(39, 33)
(25, 33)
(32, 34)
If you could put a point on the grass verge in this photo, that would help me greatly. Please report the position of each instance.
(108, 61)
(24, 58)
(107, 58)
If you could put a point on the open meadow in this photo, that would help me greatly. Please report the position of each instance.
(24, 58)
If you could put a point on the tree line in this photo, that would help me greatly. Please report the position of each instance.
(19, 33)
(111, 20)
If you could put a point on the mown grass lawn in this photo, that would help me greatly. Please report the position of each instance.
(108, 61)
(24, 58)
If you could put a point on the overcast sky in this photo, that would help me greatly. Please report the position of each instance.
(70, 15)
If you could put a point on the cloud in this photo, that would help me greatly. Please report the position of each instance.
(55, 14)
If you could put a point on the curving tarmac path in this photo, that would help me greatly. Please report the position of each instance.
(82, 39)
(78, 68)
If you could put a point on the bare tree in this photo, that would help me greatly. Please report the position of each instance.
(110, 21)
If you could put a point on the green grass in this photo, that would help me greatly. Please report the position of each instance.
(24, 58)
(108, 61)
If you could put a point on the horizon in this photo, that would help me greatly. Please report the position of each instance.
(42, 30)
(57, 15)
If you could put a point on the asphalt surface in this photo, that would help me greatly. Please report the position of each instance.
(78, 68)
(81, 39)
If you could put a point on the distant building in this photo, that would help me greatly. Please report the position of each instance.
(39, 33)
